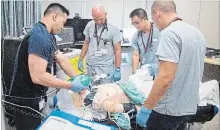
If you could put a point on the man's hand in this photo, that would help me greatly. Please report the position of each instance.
(80, 65)
(143, 116)
(77, 86)
(151, 68)
(116, 76)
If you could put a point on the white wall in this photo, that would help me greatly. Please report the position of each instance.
(205, 16)
(118, 13)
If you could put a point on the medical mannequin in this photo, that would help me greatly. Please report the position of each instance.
(110, 97)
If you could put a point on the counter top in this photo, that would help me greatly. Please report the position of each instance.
(214, 61)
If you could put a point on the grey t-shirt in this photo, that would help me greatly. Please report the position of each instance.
(110, 36)
(183, 44)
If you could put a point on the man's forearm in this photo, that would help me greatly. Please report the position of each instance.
(118, 58)
(135, 63)
(67, 68)
(46, 79)
(159, 89)
(84, 50)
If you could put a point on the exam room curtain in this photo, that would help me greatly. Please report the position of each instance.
(18, 14)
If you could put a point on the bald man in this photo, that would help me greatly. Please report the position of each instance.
(102, 46)
(181, 53)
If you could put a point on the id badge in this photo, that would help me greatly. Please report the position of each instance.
(104, 51)
(143, 61)
(98, 53)
(42, 104)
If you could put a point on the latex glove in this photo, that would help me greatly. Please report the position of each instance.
(215, 110)
(55, 100)
(142, 116)
(80, 65)
(152, 69)
(77, 86)
(85, 79)
(116, 76)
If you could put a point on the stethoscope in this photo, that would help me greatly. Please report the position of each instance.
(149, 40)
(98, 38)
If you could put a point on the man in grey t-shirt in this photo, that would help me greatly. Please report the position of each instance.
(102, 46)
(181, 53)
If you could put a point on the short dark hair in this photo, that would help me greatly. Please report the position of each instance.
(55, 7)
(139, 12)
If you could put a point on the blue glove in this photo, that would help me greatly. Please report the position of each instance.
(77, 86)
(142, 116)
(116, 76)
(80, 65)
(215, 110)
(152, 69)
(55, 100)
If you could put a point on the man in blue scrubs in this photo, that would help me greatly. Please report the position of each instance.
(102, 46)
(35, 59)
(144, 42)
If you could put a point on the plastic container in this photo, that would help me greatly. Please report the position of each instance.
(73, 58)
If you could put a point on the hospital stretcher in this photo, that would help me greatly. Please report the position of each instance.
(209, 100)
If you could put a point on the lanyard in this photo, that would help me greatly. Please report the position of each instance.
(54, 43)
(149, 40)
(174, 19)
(96, 32)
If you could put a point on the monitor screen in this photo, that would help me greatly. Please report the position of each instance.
(66, 36)
(69, 22)
(79, 26)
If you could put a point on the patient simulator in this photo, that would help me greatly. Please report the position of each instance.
(116, 104)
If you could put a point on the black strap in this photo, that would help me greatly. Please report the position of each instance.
(174, 19)
(149, 40)
(54, 42)
(43, 24)
(96, 32)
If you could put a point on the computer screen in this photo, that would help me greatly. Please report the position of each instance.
(79, 26)
(66, 36)
(69, 22)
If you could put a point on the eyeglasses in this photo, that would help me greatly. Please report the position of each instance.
(137, 22)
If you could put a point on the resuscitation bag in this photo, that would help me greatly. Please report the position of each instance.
(85, 79)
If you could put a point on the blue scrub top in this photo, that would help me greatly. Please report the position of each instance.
(150, 56)
(42, 43)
